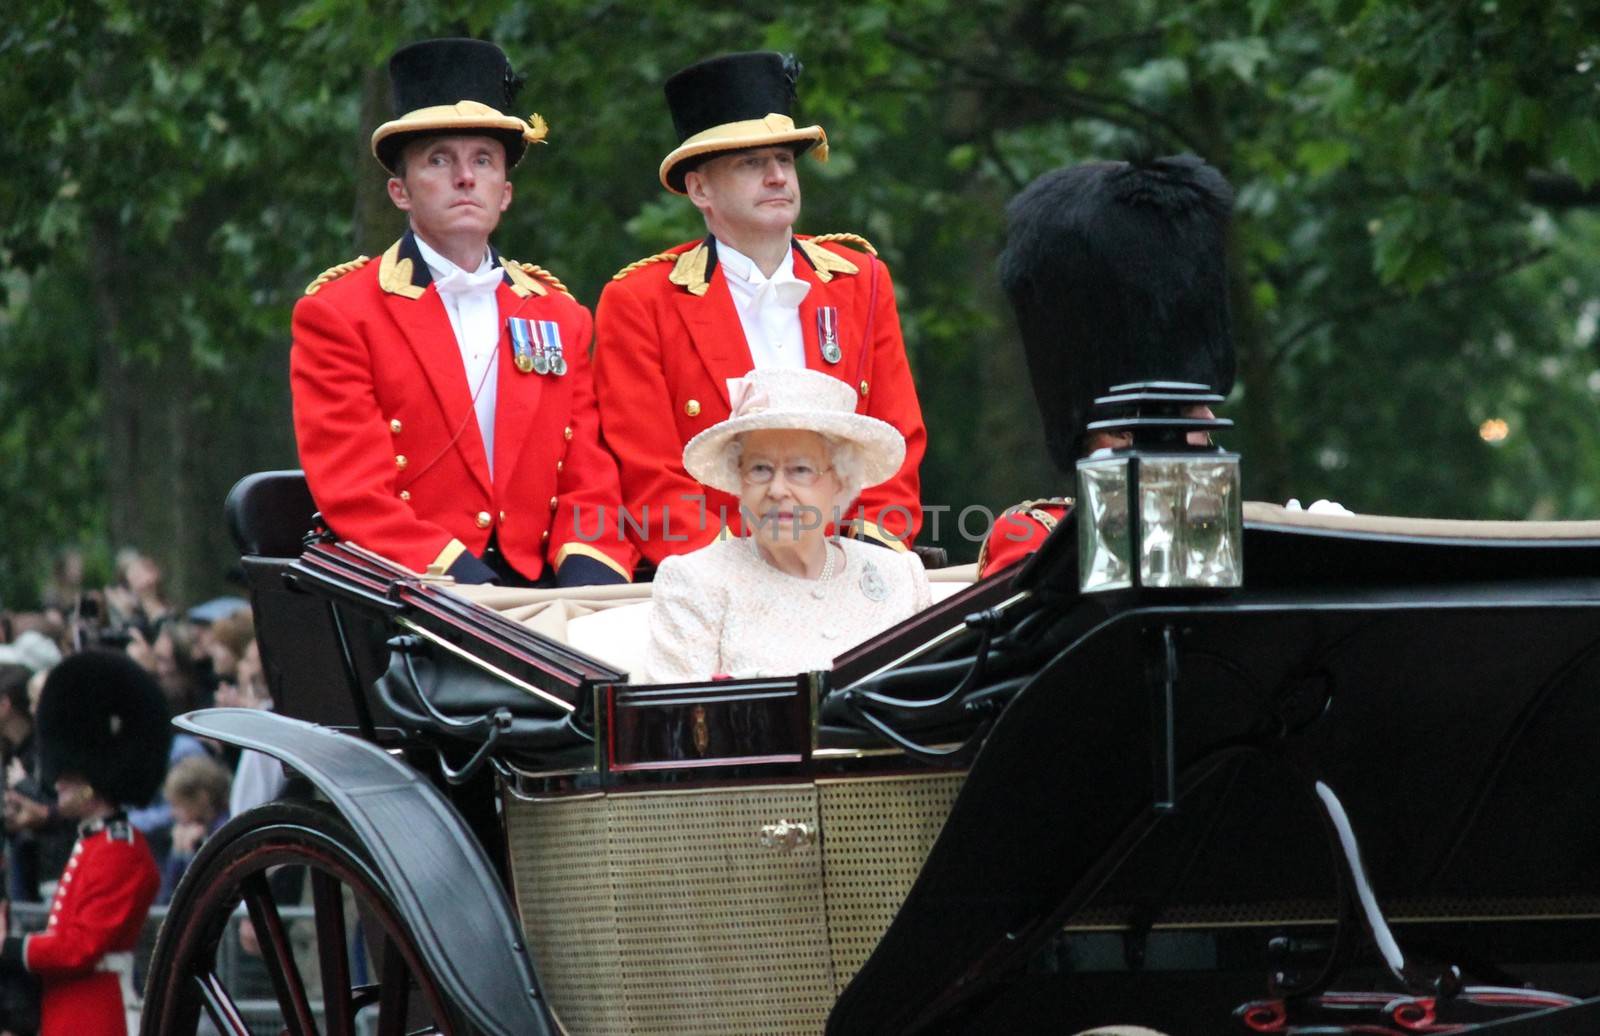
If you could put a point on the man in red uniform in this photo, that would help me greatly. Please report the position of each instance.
(442, 396)
(1117, 273)
(103, 737)
(675, 327)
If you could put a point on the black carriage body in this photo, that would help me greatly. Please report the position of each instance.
(1351, 793)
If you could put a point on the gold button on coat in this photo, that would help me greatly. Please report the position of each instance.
(863, 390)
(405, 494)
(692, 408)
(400, 461)
(394, 426)
(560, 466)
(566, 433)
(552, 503)
(544, 537)
(502, 516)
(484, 519)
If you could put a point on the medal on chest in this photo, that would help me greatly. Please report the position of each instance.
(828, 333)
(536, 346)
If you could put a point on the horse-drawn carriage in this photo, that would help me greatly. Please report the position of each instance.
(1354, 794)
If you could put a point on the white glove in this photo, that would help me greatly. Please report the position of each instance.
(1318, 507)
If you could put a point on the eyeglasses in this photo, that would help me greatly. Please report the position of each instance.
(795, 473)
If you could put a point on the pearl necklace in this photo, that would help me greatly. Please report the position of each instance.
(819, 591)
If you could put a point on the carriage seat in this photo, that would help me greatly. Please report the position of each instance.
(269, 513)
(612, 623)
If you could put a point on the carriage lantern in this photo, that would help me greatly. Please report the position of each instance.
(1158, 512)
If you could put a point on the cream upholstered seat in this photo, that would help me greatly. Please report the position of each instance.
(612, 623)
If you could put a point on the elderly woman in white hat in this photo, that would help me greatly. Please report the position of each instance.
(788, 597)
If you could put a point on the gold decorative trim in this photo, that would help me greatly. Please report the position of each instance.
(854, 239)
(585, 550)
(827, 262)
(526, 279)
(448, 556)
(394, 275)
(769, 131)
(550, 278)
(689, 272)
(333, 273)
(864, 529)
(659, 257)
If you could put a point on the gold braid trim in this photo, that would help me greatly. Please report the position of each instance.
(548, 277)
(333, 273)
(854, 239)
(659, 257)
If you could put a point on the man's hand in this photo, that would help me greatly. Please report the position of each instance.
(23, 813)
(186, 837)
(247, 938)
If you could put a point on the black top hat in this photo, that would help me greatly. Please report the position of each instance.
(1117, 273)
(105, 718)
(453, 86)
(733, 102)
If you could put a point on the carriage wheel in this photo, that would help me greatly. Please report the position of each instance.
(234, 866)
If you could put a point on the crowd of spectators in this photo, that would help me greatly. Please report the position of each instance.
(201, 655)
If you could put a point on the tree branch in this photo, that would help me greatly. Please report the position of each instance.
(1558, 191)
(1380, 299)
(1119, 110)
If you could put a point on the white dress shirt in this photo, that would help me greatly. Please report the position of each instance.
(768, 307)
(475, 317)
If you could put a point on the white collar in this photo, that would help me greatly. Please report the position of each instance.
(743, 267)
(439, 266)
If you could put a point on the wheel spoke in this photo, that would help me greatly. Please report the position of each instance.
(394, 994)
(219, 1006)
(278, 955)
(327, 897)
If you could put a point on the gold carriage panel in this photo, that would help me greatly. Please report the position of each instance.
(747, 908)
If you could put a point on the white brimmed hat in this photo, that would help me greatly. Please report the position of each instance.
(731, 103)
(793, 400)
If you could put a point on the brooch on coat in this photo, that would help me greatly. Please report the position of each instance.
(872, 583)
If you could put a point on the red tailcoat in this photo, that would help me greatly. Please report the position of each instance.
(390, 442)
(668, 339)
(1019, 531)
(98, 908)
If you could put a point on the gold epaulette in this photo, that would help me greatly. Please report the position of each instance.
(333, 273)
(854, 239)
(548, 277)
(1044, 501)
(659, 257)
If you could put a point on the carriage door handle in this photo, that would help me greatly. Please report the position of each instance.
(787, 835)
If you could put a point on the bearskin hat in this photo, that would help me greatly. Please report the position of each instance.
(104, 717)
(1117, 274)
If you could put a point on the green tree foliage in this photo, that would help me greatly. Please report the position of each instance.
(1413, 249)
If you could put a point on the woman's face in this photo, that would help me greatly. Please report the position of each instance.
(788, 486)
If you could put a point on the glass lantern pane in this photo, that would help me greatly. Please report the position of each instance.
(1105, 550)
(1190, 514)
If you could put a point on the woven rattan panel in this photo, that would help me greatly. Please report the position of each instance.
(877, 834)
(717, 934)
(558, 851)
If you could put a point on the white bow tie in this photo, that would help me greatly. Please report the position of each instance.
(788, 294)
(462, 284)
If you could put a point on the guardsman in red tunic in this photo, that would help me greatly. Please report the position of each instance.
(103, 738)
(1117, 272)
(672, 329)
(443, 402)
